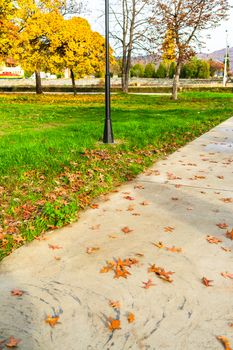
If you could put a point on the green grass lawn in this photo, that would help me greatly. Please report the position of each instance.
(52, 161)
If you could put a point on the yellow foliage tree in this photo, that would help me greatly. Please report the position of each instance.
(8, 30)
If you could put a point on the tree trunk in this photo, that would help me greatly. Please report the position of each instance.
(176, 82)
(73, 82)
(125, 81)
(38, 83)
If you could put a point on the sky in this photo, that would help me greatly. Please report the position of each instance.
(215, 39)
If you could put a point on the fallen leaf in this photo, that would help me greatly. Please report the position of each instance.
(52, 320)
(12, 342)
(51, 246)
(139, 187)
(225, 342)
(131, 207)
(136, 214)
(17, 292)
(159, 245)
(131, 317)
(58, 258)
(174, 249)
(175, 198)
(92, 250)
(169, 229)
(114, 324)
(229, 234)
(115, 304)
(213, 240)
(226, 249)
(126, 230)
(129, 198)
(112, 236)
(227, 200)
(227, 275)
(206, 282)
(119, 267)
(94, 206)
(220, 177)
(139, 254)
(145, 203)
(161, 273)
(222, 225)
(148, 284)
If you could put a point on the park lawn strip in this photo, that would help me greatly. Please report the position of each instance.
(52, 163)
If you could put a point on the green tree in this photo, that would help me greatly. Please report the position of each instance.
(149, 71)
(137, 71)
(161, 71)
(203, 70)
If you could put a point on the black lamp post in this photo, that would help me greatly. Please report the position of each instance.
(108, 133)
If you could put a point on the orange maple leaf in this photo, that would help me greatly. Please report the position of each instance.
(225, 342)
(131, 317)
(126, 230)
(12, 342)
(206, 282)
(174, 249)
(17, 292)
(161, 273)
(114, 324)
(53, 247)
(52, 320)
(115, 304)
(227, 275)
(148, 284)
(159, 245)
(213, 240)
(229, 234)
(227, 200)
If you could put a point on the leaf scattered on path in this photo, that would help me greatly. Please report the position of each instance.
(213, 240)
(113, 324)
(206, 282)
(227, 275)
(92, 250)
(226, 249)
(114, 304)
(222, 225)
(227, 200)
(229, 234)
(144, 203)
(95, 227)
(169, 229)
(17, 292)
(159, 245)
(52, 320)
(119, 267)
(148, 284)
(129, 198)
(161, 273)
(54, 247)
(12, 342)
(174, 249)
(225, 342)
(126, 230)
(131, 317)
(94, 206)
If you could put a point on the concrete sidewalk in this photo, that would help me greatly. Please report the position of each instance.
(178, 202)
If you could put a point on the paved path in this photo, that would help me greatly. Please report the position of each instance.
(183, 192)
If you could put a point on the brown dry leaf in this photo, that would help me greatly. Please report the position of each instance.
(227, 200)
(115, 304)
(139, 187)
(220, 177)
(140, 255)
(222, 225)
(119, 267)
(148, 284)
(171, 176)
(52, 320)
(229, 234)
(207, 282)
(131, 207)
(225, 342)
(161, 273)
(136, 214)
(114, 324)
(159, 245)
(169, 229)
(112, 236)
(199, 177)
(92, 250)
(131, 317)
(175, 198)
(95, 227)
(17, 292)
(227, 275)
(174, 249)
(226, 249)
(145, 203)
(129, 198)
(53, 247)
(58, 258)
(126, 230)
(213, 240)
(12, 342)
(94, 206)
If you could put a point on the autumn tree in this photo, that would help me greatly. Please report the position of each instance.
(79, 49)
(8, 30)
(185, 20)
(130, 20)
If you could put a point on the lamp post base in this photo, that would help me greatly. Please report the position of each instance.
(108, 134)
